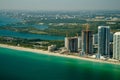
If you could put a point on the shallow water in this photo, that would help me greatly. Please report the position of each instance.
(29, 35)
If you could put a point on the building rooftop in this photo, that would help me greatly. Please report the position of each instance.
(117, 33)
(72, 37)
(103, 26)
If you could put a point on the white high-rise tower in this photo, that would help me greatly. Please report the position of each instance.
(116, 46)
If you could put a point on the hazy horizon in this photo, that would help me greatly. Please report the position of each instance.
(71, 5)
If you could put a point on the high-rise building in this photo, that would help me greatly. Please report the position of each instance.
(111, 37)
(87, 47)
(71, 44)
(103, 40)
(95, 43)
(116, 46)
(95, 39)
(66, 42)
(79, 43)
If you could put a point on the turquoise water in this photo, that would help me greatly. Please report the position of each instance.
(41, 27)
(4, 20)
(20, 65)
(29, 36)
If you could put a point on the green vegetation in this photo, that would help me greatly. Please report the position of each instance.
(24, 29)
(31, 43)
(71, 30)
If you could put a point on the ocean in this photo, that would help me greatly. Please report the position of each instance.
(21, 65)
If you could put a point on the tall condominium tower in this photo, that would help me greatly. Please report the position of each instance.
(95, 39)
(116, 46)
(87, 42)
(103, 40)
(71, 43)
(79, 43)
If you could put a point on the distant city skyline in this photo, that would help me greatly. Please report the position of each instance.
(60, 4)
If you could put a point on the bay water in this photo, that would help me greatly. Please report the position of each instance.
(5, 20)
(9, 33)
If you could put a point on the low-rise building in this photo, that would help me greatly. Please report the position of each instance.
(51, 48)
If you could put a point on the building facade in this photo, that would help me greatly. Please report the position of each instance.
(87, 45)
(51, 48)
(104, 40)
(116, 46)
(79, 43)
(71, 44)
(95, 39)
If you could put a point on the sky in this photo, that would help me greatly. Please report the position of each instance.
(60, 4)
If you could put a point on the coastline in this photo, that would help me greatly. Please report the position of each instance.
(38, 51)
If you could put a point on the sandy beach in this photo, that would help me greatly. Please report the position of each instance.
(55, 54)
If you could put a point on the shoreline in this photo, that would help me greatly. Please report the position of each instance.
(38, 51)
